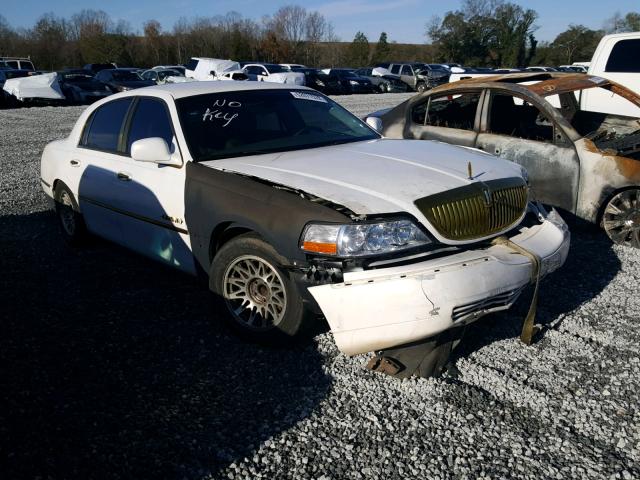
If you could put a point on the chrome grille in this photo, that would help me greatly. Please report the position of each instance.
(485, 305)
(476, 210)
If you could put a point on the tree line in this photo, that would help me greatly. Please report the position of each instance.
(492, 33)
(496, 33)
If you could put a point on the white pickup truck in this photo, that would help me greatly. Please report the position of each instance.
(617, 58)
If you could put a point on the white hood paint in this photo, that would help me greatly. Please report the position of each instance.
(374, 177)
(36, 86)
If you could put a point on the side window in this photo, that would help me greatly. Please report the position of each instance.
(406, 70)
(516, 117)
(150, 119)
(624, 57)
(13, 64)
(104, 126)
(27, 65)
(253, 70)
(451, 111)
(193, 63)
(395, 69)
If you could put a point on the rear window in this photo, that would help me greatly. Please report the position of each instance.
(193, 63)
(625, 57)
(103, 132)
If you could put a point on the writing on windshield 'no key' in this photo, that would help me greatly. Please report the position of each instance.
(220, 111)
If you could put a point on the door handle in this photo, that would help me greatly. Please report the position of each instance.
(74, 163)
(123, 176)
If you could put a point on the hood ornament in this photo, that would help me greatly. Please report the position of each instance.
(470, 171)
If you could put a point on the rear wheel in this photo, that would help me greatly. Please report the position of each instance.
(253, 294)
(621, 218)
(72, 226)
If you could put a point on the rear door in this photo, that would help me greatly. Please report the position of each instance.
(452, 118)
(95, 167)
(407, 76)
(517, 129)
(621, 65)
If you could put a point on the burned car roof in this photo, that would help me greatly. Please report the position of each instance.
(547, 83)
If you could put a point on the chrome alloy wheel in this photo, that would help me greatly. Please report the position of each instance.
(66, 213)
(254, 293)
(621, 218)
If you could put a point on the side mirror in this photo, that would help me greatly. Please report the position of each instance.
(375, 123)
(153, 150)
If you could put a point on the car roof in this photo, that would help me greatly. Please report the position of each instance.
(189, 89)
(548, 83)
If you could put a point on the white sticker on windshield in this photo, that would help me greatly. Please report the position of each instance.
(308, 96)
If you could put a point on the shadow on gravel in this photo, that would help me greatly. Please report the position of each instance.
(591, 265)
(110, 367)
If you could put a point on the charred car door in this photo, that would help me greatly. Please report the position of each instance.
(519, 129)
(450, 118)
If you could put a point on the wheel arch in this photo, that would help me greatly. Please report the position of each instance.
(606, 198)
(225, 232)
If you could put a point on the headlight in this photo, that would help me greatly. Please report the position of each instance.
(353, 82)
(362, 239)
(122, 88)
(320, 83)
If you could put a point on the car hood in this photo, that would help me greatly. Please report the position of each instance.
(377, 176)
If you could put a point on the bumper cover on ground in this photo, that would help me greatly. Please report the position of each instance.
(376, 309)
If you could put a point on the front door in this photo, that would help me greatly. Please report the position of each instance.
(449, 118)
(519, 131)
(151, 195)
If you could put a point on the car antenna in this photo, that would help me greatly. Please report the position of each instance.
(470, 171)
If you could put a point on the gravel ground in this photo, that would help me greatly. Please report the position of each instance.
(111, 368)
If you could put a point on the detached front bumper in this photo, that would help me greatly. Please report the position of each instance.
(377, 309)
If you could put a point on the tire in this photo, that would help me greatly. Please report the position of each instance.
(253, 295)
(72, 226)
(621, 218)
(421, 87)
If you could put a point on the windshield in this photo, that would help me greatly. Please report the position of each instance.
(272, 68)
(125, 75)
(253, 122)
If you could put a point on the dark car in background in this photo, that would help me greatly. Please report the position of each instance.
(96, 67)
(322, 82)
(6, 74)
(81, 87)
(122, 79)
(384, 83)
(351, 82)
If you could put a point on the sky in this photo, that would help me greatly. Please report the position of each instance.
(403, 20)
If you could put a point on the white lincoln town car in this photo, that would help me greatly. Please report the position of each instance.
(296, 209)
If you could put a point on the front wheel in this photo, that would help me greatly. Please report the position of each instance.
(621, 218)
(253, 294)
(422, 87)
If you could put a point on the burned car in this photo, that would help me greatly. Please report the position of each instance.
(122, 79)
(583, 161)
(294, 208)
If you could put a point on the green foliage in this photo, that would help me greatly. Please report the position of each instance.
(576, 44)
(485, 33)
(359, 51)
(382, 51)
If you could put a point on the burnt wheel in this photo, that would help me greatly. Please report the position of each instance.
(253, 294)
(621, 218)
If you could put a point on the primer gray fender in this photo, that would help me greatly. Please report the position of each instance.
(213, 197)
